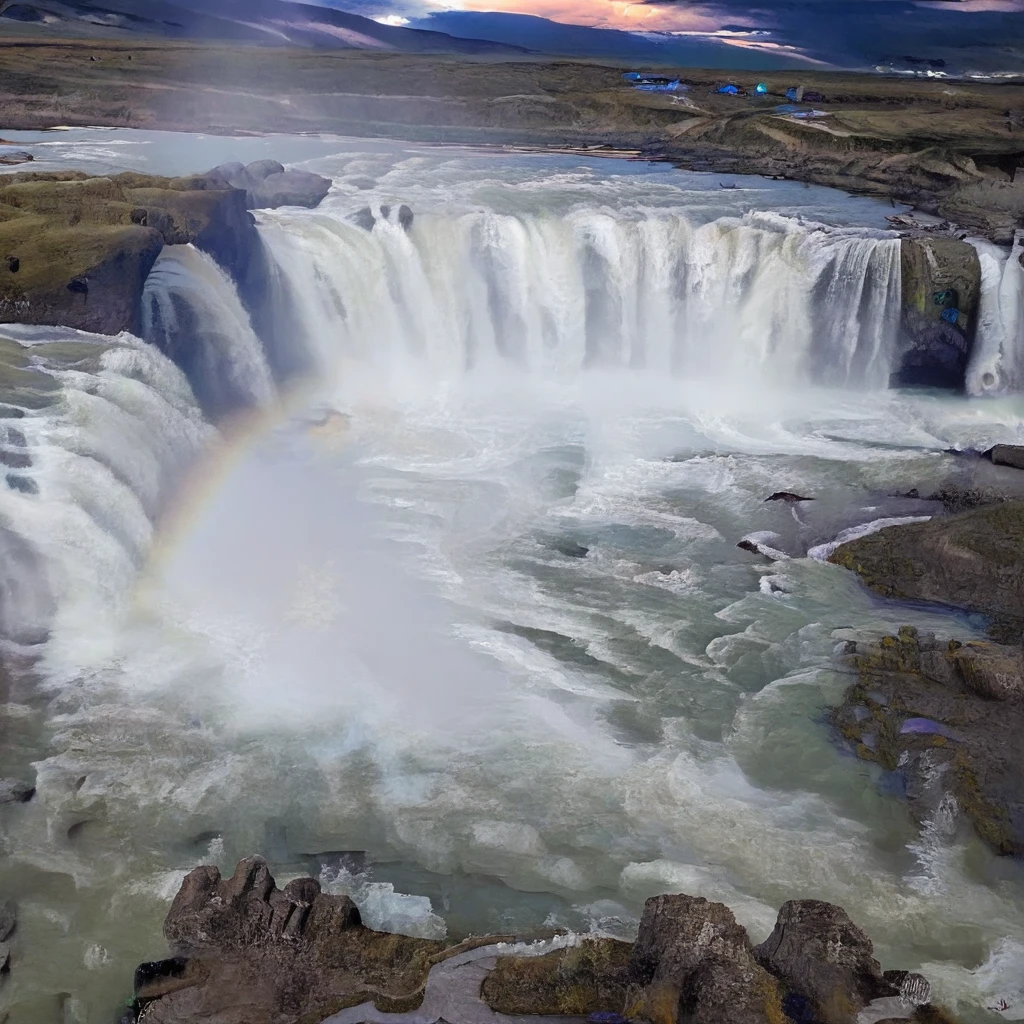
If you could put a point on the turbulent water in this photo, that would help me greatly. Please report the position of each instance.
(483, 650)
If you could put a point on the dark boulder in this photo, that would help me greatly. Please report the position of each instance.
(787, 496)
(247, 908)
(267, 184)
(819, 953)
(1006, 455)
(939, 275)
(260, 170)
(12, 157)
(364, 218)
(14, 791)
(694, 963)
(246, 952)
(290, 188)
(571, 549)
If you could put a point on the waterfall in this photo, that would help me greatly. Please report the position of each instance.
(192, 312)
(760, 296)
(95, 437)
(997, 360)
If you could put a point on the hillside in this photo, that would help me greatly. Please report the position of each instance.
(263, 22)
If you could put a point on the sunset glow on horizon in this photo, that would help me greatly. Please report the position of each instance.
(638, 17)
(698, 18)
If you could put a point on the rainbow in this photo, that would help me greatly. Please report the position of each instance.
(235, 436)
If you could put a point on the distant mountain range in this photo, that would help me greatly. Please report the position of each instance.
(787, 34)
(552, 37)
(266, 22)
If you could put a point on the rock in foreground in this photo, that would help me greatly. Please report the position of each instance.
(247, 952)
(75, 251)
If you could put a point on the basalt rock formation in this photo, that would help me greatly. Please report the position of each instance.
(940, 288)
(267, 185)
(943, 720)
(973, 561)
(75, 251)
(247, 952)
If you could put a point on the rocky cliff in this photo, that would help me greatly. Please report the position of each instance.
(940, 288)
(943, 718)
(75, 251)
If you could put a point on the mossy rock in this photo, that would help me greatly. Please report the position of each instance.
(973, 561)
(577, 981)
(75, 251)
(937, 274)
(965, 699)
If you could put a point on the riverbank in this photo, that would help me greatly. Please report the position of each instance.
(246, 950)
(951, 148)
(940, 717)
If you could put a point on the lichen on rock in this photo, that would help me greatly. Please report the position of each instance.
(943, 718)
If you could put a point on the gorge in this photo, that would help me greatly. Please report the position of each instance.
(393, 538)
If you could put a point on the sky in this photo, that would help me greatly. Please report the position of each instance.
(684, 16)
(966, 34)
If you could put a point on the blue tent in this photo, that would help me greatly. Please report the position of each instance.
(729, 90)
(950, 315)
(760, 88)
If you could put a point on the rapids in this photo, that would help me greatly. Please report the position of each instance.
(482, 649)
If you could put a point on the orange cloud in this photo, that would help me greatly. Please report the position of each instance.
(600, 13)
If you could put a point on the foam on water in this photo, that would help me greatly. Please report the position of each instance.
(997, 359)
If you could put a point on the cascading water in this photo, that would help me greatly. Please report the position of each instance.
(494, 645)
(997, 362)
(100, 445)
(755, 297)
(192, 312)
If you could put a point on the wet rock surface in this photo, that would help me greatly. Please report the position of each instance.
(1011, 455)
(14, 791)
(821, 955)
(81, 248)
(973, 561)
(943, 719)
(78, 249)
(694, 962)
(268, 184)
(938, 276)
(246, 952)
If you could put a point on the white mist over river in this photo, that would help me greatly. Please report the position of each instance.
(485, 651)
